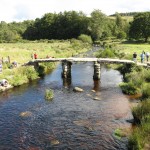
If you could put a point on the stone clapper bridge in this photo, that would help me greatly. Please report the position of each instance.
(67, 62)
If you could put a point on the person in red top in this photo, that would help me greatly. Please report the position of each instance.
(35, 56)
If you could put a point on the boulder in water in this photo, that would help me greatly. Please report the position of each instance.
(77, 89)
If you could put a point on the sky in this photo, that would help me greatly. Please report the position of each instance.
(20, 10)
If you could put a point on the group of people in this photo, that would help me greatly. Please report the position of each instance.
(143, 55)
(35, 56)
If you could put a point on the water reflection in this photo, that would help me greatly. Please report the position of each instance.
(67, 82)
(96, 87)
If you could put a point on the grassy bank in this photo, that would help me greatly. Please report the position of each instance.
(136, 82)
(21, 53)
(129, 49)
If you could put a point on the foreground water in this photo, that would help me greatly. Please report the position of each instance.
(71, 121)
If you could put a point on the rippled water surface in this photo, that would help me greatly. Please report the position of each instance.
(71, 121)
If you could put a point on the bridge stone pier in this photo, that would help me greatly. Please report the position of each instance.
(67, 62)
(97, 71)
(66, 69)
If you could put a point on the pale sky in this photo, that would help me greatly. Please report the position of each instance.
(19, 10)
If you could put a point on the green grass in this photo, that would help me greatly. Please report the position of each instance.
(140, 138)
(137, 80)
(129, 49)
(21, 52)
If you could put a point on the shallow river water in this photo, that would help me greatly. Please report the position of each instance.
(72, 120)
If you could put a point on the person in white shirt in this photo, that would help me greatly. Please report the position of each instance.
(147, 56)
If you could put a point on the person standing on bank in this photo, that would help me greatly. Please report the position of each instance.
(142, 57)
(35, 56)
(135, 57)
(1, 66)
(147, 56)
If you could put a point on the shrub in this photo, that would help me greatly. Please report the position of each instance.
(147, 75)
(107, 53)
(140, 137)
(136, 140)
(18, 79)
(30, 72)
(142, 111)
(121, 35)
(129, 88)
(85, 38)
(146, 91)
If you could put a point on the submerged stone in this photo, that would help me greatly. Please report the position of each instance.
(25, 114)
(96, 98)
(77, 89)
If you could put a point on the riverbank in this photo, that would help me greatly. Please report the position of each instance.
(21, 53)
(136, 82)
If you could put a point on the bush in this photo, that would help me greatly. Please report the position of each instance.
(107, 53)
(140, 137)
(30, 72)
(136, 141)
(129, 88)
(142, 111)
(18, 79)
(121, 35)
(85, 38)
(146, 91)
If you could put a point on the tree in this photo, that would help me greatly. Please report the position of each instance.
(121, 27)
(140, 27)
(65, 25)
(98, 24)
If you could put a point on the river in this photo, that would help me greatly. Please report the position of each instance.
(72, 120)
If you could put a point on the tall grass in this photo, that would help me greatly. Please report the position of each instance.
(21, 53)
(137, 81)
(107, 53)
(140, 138)
(19, 76)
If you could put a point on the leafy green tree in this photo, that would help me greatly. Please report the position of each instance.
(12, 32)
(97, 24)
(121, 28)
(119, 21)
(140, 27)
(65, 25)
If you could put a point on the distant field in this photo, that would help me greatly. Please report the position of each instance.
(128, 18)
(21, 52)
